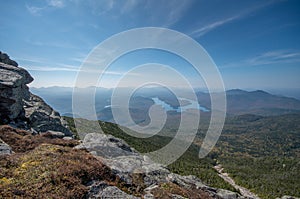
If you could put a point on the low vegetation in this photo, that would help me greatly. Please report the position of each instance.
(42, 167)
(262, 153)
(259, 153)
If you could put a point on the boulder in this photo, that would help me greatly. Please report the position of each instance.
(187, 182)
(55, 134)
(4, 58)
(115, 192)
(5, 149)
(13, 91)
(225, 194)
(103, 190)
(41, 117)
(125, 161)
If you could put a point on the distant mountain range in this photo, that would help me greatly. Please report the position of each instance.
(238, 101)
(255, 102)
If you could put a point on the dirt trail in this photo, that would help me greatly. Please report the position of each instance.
(227, 178)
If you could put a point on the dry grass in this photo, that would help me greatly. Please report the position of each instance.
(22, 141)
(50, 171)
(43, 167)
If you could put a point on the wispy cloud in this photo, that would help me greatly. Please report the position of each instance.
(204, 29)
(167, 13)
(267, 58)
(56, 3)
(129, 6)
(70, 68)
(41, 65)
(48, 68)
(37, 11)
(52, 44)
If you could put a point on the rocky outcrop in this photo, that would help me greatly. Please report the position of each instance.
(124, 160)
(41, 117)
(13, 91)
(4, 58)
(19, 107)
(103, 190)
(142, 174)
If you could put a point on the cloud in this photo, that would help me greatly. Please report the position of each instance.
(99, 7)
(37, 11)
(267, 58)
(129, 5)
(56, 3)
(274, 57)
(176, 11)
(204, 29)
(165, 13)
(48, 69)
(55, 44)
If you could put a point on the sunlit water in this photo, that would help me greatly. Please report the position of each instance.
(193, 105)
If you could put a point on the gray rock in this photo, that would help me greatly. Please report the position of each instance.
(68, 138)
(149, 196)
(107, 146)
(125, 161)
(187, 182)
(225, 194)
(175, 196)
(42, 117)
(4, 58)
(13, 90)
(103, 190)
(5, 149)
(95, 189)
(55, 134)
(114, 192)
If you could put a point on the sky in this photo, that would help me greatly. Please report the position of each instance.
(255, 44)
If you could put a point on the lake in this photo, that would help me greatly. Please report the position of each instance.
(192, 105)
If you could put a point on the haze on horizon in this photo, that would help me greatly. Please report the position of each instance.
(255, 44)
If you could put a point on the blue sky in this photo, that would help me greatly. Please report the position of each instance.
(255, 44)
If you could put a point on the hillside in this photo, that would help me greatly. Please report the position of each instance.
(252, 149)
